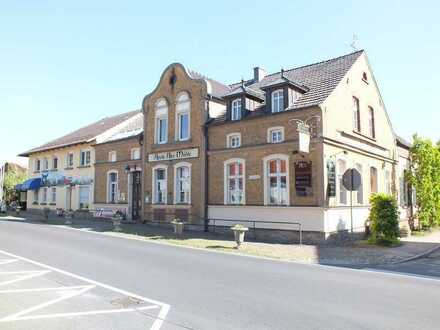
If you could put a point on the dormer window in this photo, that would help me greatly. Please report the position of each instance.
(277, 101)
(236, 110)
(364, 77)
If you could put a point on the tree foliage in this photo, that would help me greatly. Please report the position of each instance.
(384, 219)
(12, 178)
(425, 178)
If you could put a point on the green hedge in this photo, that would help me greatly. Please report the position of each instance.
(384, 219)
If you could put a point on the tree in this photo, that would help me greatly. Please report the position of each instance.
(425, 177)
(12, 178)
(384, 219)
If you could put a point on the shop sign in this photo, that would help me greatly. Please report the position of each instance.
(303, 178)
(254, 177)
(173, 155)
(49, 179)
(331, 178)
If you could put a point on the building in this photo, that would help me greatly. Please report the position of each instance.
(118, 171)
(271, 148)
(4, 169)
(62, 171)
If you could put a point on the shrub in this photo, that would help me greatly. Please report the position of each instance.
(384, 219)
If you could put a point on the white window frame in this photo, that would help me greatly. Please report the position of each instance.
(266, 161)
(339, 173)
(273, 129)
(229, 138)
(109, 190)
(277, 105)
(44, 195)
(176, 182)
(183, 108)
(112, 156)
(37, 165)
(360, 191)
(132, 151)
(153, 177)
(45, 164)
(226, 180)
(70, 157)
(236, 110)
(90, 189)
(371, 123)
(85, 152)
(388, 180)
(36, 196)
(356, 114)
(161, 113)
(53, 162)
(53, 194)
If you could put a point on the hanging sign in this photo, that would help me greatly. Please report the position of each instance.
(304, 137)
(172, 155)
(331, 178)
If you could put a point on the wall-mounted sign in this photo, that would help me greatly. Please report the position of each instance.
(303, 178)
(304, 137)
(58, 178)
(254, 177)
(172, 155)
(331, 179)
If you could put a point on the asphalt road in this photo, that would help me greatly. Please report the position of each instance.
(207, 290)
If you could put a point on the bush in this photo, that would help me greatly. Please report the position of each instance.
(384, 219)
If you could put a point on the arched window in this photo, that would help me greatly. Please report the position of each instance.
(342, 167)
(234, 181)
(182, 184)
(160, 183)
(236, 110)
(276, 180)
(161, 121)
(360, 191)
(112, 187)
(278, 101)
(183, 107)
(373, 180)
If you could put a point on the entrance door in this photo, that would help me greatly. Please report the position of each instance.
(136, 195)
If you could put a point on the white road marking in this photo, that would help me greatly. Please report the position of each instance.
(25, 275)
(60, 288)
(164, 308)
(7, 261)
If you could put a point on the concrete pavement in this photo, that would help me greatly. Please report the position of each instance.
(217, 291)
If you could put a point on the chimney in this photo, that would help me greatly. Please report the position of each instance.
(259, 74)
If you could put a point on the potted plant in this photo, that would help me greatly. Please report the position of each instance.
(178, 227)
(117, 218)
(17, 210)
(239, 231)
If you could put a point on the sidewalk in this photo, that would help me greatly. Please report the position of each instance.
(359, 253)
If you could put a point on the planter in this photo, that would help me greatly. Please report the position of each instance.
(178, 227)
(46, 212)
(68, 215)
(239, 232)
(17, 210)
(117, 219)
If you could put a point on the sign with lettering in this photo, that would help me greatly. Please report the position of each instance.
(254, 177)
(172, 155)
(331, 178)
(303, 178)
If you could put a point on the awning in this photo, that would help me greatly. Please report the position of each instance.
(31, 184)
(18, 187)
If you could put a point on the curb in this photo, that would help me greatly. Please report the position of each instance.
(418, 256)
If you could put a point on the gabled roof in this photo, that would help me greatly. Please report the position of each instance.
(217, 88)
(84, 134)
(242, 89)
(133, 127)
(401, 142)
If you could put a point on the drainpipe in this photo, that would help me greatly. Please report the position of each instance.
(206, 142)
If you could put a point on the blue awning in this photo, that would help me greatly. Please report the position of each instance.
(18, 187)
(31, 184)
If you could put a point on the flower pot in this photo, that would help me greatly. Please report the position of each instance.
(178, 228)
(117, 223)
(239, 232)
(68, 215)
(17, 210)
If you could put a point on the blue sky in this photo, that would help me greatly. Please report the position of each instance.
(66, 64)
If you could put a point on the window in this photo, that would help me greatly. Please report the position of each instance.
(183, 117)
(275, 135)
(373, 180)
(356, 115)
(276, 180)
(236, 110)
(53, 194)
(161, 121)
(84, 197)
(69, 160)
(135, 153)
(342, 167)
(233, 140)
(44, 195)
(160, 185)
(112, 156)
(182, 174)
(55, 163)
(388, 182)
(112, 187)
(371, 128)
(364, 77)
(360, 191)
(278, 101)
(234, 181)
(45, 164)
(85, 158)
(36, 192)
(37, 165)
